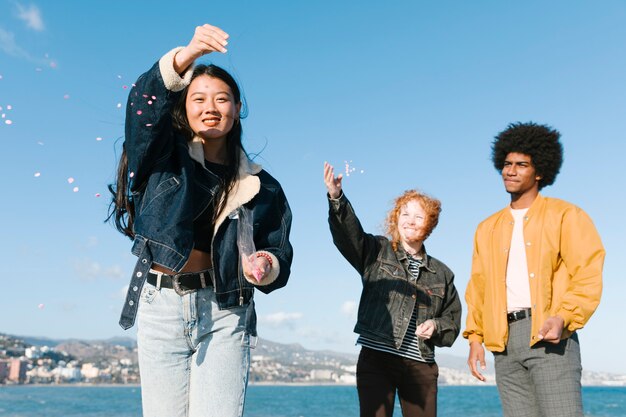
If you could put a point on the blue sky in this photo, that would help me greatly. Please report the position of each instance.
(409, 94)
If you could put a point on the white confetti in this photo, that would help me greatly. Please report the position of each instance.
(37, 174)
(75, 189)
(70, 180)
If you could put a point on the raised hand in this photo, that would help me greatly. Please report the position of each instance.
(206, 39)
(333, 184)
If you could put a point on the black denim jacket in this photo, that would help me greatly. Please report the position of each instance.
(389, 291)
(169, 193)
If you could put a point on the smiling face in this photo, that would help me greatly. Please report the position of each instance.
(412, 223)
(211, 108)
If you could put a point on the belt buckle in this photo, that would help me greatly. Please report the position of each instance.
(177, 287)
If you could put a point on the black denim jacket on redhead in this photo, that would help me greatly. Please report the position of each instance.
(170, 189)
(389, 294)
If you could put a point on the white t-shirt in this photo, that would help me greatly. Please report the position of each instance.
(517, 286)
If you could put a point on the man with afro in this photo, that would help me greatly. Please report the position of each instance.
(536, 279)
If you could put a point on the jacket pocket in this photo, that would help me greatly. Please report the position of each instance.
(430, 300)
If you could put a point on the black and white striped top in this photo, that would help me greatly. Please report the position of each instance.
(410, 347)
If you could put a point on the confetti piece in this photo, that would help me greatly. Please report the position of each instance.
(53, 64)
(9, 107)
(1, 76)
(38, 69)
(148, 124)
(9, 122)
(119, 105)
(132, 174)
(37, 174)
(153, 97)
(41, 306)
(40, 143)
(150, 102)
(97, 194)
(145, 96)
(66, 96)
(98, 138)
(0, 108)
(124, 87)
(139, 112)
(119, 77)
(4, 115)
(70, 180)
(75, 189)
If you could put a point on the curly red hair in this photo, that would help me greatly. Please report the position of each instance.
(431, 206)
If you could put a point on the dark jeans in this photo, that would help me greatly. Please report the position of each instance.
(380, 374)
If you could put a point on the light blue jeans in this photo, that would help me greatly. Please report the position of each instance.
(194, 359)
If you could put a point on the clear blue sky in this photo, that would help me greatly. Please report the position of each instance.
(410, 93)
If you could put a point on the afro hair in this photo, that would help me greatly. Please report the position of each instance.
(540, 142)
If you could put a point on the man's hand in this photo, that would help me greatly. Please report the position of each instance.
(551, 330)
(477, 354)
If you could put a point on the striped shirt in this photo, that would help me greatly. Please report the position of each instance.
(409, 347)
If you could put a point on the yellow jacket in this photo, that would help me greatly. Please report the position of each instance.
(565, 258)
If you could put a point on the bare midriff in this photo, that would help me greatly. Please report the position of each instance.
(198, 261)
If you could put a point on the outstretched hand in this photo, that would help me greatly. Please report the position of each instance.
(206, 39)
(333, 184)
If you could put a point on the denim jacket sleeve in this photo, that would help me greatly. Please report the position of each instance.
(359, 248)
(149, 136)
(272, 236)
(448, 323)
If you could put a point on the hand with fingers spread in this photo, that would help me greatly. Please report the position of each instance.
(551, 330)
(333, 184)
(206, 39)
(477, 354)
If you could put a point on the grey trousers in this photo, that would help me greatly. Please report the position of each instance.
(540, 381)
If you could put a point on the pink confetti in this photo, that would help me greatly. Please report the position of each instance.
(66, 96)
(97, 194)
(133, 85)
(124, 87)
(41, 306)
(139, 112)
(98, 138)
(150, 102)
(132, 174)
(75, 189)
(153, 97)
(9, 122)
(145, 96)
(70, 180)
(53, 64)
(148, 124)
(37, 174)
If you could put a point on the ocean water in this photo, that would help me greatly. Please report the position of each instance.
(272, 401)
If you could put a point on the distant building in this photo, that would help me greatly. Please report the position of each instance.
(17, 371)
(89, 371)
(4, 370)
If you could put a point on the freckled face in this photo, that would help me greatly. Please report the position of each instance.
(211, 108)
(412, 222)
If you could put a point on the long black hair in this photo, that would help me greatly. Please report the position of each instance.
(122, 207)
